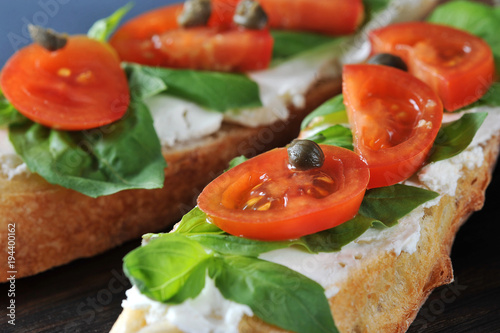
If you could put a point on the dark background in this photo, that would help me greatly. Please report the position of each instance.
(85, 295)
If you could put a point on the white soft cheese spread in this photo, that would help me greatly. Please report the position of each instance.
(177, 120)
(330, 269)
(211, 311)
(273, 109)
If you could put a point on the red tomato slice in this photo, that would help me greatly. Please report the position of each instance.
(80, 86)
(155, 39)
(264, 199)
(334, 17)
(457, 65)
(394, 117)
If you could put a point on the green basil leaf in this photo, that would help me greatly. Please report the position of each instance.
(102, 29)
(476, 18)
(374, 6)
(142, 83)
(237, 161)
(455, 137)
(335, 238)
(214, 90)
(332, 112)
(491, 98)
(380, 207)
(102, 161)
(195, 222)
(195, 226)
(276, 294)
(336, 135)
(289, 43)
(389, 204)
(8, 114)
(169, 269)
(232, 245)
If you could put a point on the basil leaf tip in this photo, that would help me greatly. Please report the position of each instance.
(102, 29)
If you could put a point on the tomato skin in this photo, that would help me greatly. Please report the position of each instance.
(80, 86)
(296, 214)
(155, 39)
(395, 118)
(234, 50)
(457, 65)
(333, 17)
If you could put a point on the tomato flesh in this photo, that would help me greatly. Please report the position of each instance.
(395, 118)
(155, 39)
(457, 65)
(265, 199)
(80, 86)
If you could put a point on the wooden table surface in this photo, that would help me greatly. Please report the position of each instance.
(85, 296)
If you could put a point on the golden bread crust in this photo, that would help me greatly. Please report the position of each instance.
(55, 225)
(384, 293)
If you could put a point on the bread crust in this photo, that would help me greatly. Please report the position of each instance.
(384, 293)
(55, 225)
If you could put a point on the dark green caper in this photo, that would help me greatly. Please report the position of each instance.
(388, 59)
(305, 154)
(47, 38)
(195, 13)
(249, 14)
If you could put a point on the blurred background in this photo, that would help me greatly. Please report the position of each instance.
(70, 16)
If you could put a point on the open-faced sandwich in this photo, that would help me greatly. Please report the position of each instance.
(349, 228)
(102, 142)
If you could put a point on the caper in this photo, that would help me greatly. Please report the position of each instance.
(388, 59)
(305, 154)
(249, 14)
(195, 13)
(47, 38)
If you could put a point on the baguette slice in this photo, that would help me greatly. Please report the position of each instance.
(383, 292)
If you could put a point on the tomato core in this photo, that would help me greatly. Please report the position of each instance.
(271, 193)
(390, 123)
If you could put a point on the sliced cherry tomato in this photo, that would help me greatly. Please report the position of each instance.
(335, 17)
(80, 86)
(395, 118)
(265, 199)
(155, 39)
(457, 65)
